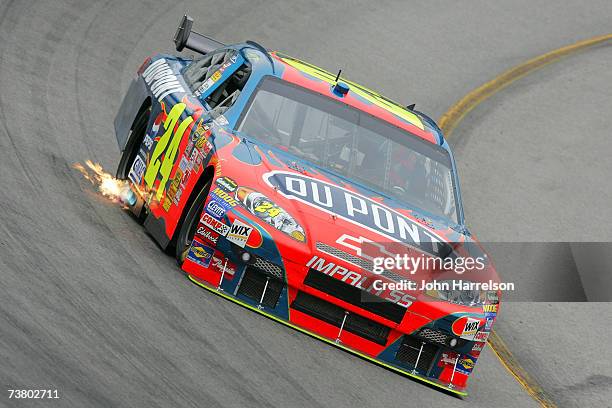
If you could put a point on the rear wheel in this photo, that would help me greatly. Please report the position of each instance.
(189, 225)
(135, 138)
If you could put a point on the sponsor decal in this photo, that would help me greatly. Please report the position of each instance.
(188, 149)
(219, 262)
(448, 358)
(221, 121)
(490, 314)
(215, 209)
(196, 158)
(470, 329)
(239, 233)
(227, 184)
(481, 336)
(200, 254)
(359, 281)
(184, 164)
(465, 365)
(200, 142)
(161, 79)
(214, 77)
(214, 224)
(192, 157)
(489, 323)
(478, 347)
(206, 148)
(173, 189)
(490, 308)
(465, 327)
(201, 131)
(148, 142)
(208, 235)
(265, 209)
(137, 170)
(177, 196)
(296, 166)
(357, 209)
(223, 197)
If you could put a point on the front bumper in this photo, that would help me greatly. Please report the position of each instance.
(422, 355)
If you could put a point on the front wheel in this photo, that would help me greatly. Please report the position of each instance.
(189, 225)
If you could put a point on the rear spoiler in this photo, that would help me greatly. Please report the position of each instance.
(185, 38)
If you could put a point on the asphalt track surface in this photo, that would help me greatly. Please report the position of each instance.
(90, 306)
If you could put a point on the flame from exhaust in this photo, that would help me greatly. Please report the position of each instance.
(110, 187)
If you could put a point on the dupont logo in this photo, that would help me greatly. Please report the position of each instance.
(357, 209)
(215, 209)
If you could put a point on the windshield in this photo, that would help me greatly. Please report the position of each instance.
(352, 143)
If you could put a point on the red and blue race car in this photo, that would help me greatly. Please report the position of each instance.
(281, 186)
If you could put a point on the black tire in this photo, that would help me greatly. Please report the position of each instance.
(135, 138)
(189, 224)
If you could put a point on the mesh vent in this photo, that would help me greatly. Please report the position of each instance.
(408, 353)
(253, 284)
(435, 336)
(355, 260)
(269, 268)
(355, 296)
(391, 275)
(334, 315)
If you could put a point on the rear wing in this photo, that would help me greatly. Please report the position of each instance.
(185, 38)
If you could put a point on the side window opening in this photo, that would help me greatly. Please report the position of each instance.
(202, 69)
(228, 92)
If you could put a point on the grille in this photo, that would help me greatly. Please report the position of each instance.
(435, 336)
(355, 260)
(355, 296)
(334, 315)
(269, 268)
(253, 284)
(391, 275)
(409, 352)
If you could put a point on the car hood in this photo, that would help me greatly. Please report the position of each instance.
(325, 206)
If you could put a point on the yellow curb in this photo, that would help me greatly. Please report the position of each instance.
(449, 120)
(518, 372)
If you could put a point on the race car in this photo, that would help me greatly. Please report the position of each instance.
(281, 186)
